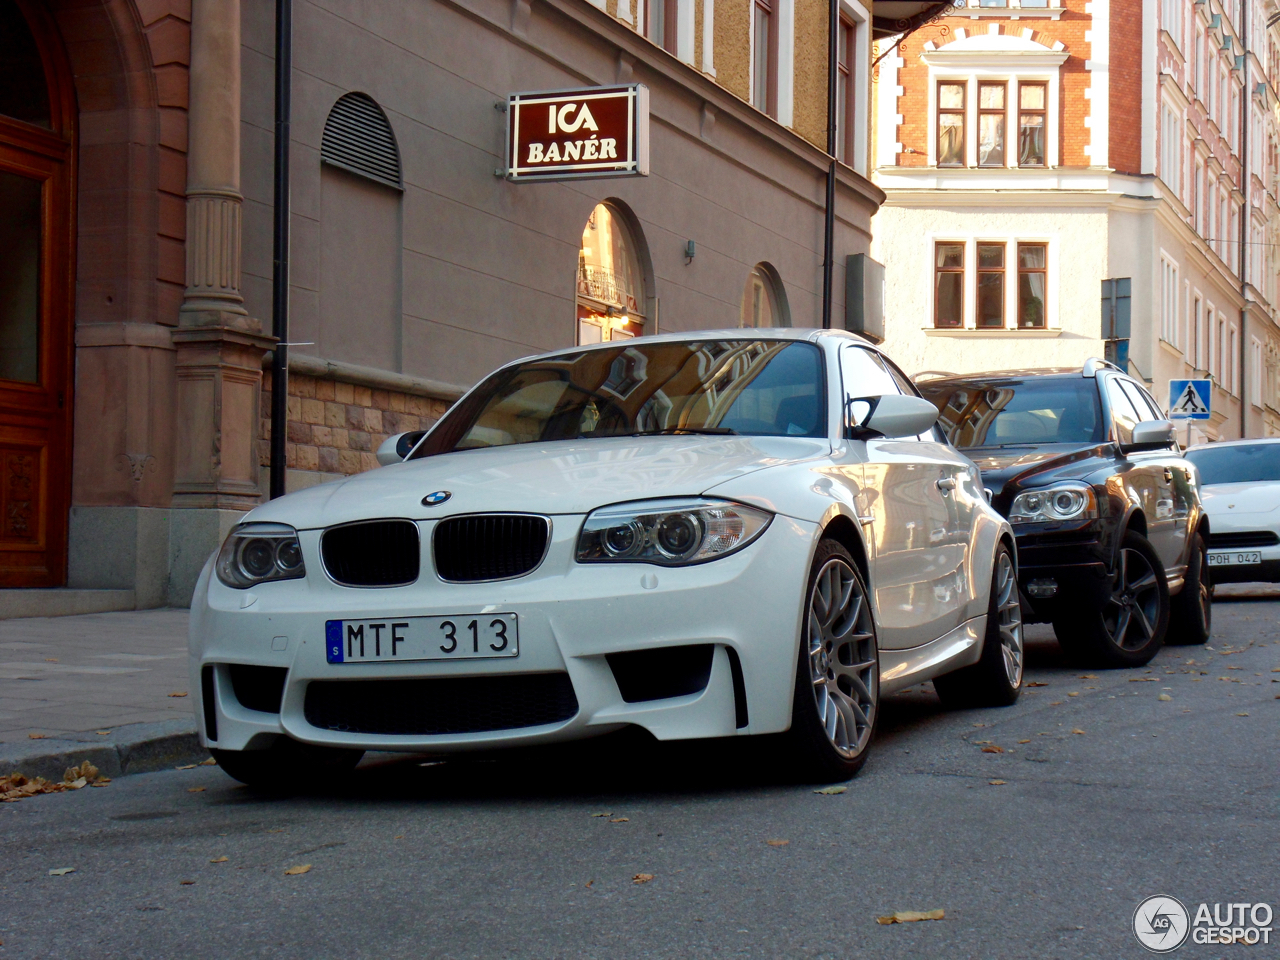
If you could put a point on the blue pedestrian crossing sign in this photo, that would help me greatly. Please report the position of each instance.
(1189, 399)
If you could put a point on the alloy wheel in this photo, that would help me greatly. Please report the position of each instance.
(843, 664)
(1009, 614)
(1133, 611)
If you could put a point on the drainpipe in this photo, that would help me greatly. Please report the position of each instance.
(829, 242)
(1245, 216)
(280, 250)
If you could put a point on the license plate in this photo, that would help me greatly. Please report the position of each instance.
(1234, 558)
(465, 637)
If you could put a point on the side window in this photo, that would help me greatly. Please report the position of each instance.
(1123, 412)
(864, 375)
(1157, 413)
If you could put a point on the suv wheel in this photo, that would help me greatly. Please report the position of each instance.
(995, 680)
(1129, 628)
(1192, 609)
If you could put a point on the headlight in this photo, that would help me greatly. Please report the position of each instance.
(1054, 503)
(669, 532)
(257, 552)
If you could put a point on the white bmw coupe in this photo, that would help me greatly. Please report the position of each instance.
(720, 534)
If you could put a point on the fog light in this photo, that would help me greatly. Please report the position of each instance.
(1042, 588)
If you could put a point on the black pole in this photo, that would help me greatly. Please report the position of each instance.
(280, 249)
(1245, 218)
(829, 239)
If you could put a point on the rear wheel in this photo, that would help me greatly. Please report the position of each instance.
(1191, 611)
(837, 689)
(996, 679)
(1128, 629)
(286, 765)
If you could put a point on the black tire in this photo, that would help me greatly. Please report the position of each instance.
(844, 650)
(1191, 611)
(1129, 628)
(996, 679)
(287, 765)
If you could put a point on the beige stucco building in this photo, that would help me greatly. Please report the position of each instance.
(136, 206)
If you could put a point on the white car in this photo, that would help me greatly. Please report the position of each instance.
(1240, 488)
(719, 534)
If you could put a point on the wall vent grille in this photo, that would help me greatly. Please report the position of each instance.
(358, 138)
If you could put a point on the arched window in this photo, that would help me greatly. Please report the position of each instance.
(358, 138)
(24, 94)
(763, 302)
(611, 280)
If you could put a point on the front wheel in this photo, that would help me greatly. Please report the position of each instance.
(1128, 629)
(996, 679)
(1191, 611)
(837, 688)
(286, 765)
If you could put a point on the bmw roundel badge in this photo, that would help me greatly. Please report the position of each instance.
(437, 498)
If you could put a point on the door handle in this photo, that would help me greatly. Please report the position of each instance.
(947, 484)
(1168, 475)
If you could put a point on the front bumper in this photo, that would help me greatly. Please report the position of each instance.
(1075, 556)
(571, 617)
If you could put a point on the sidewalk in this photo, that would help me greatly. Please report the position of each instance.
(65, 679)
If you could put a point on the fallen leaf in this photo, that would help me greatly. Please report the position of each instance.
(1077, 730)
(219, 859)
(1164, 696)
(1275, 669)
(589, 883)
(298, 870)
(1088, 676)
(1074, 693)
(102, 733)
(400, 837)
(1024, 741)
(186, 883)
(993, 749)
(1241, 714)
(980, 742)
(982, 724)
(1055, 703)
(50, 659)
(642, 878)
(186, 766)
(832, 791)
(195, 789)
(76, 784)
(1142, 679)
(602, 815)
(996, 783)
(911, 916)
(211, 762)
(620, 820)
(777, 843)
(36, 736)
(61, 871)
(1037, 683)
(177, 694)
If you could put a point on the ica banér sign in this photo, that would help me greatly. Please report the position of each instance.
(578, 134)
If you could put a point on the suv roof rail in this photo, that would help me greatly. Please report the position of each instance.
(934, 375)
(1094, 364)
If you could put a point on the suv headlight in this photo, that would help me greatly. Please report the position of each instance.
(257, 552)
(670, 533)
(1074, 502)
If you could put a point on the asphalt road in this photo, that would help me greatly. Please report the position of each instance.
(1110, 795)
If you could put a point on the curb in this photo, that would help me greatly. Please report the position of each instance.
(130, 748)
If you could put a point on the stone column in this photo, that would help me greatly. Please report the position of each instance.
(219, 346)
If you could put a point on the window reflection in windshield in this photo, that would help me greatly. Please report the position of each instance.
(1238, 463)
(1017, 412)
(755, 387)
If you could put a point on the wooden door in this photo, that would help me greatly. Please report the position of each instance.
(37, 178)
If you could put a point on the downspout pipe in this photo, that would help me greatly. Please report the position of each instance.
(1245, 216)
(280, 249)
(829, 236)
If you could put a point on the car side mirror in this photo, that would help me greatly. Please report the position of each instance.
(1150, 435)
(891, 415)
(397, 446)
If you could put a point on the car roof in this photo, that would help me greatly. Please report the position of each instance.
(1216, 444)
(996, 376)
(796, 334)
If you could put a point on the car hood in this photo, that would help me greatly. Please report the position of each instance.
(564, 477)
(1000, 464)
(1227, 500)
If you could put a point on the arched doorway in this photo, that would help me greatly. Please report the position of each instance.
(764, 304)
(37, 181)
(611, 296)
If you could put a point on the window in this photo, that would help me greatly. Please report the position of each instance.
(1123, 414)
(990, 305)
(948, 285)
(765, 59)
(763, 303)
(1171, 17)
(1146, 407)
(1220, 370)
(1032, 269)
(1197, 221)
(1197, 64)
(846, 90)
(1015, 411)
(611, 298)
(663, 23)
(1255, 370)
(1197, 322)
(1031, 124)
(1170, 150)
(991, 118)
(951, 97)
(1234, 363)
(1168, 302)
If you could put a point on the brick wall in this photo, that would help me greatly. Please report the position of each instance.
(337, 427)
(1125, 147)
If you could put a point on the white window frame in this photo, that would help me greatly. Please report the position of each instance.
(970, 303)
(863, 110)
(1169, 291)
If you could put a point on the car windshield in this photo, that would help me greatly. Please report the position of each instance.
(1007, 413)
(719, 387)
(1238, 463)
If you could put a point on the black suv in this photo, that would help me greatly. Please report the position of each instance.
(1112, 537)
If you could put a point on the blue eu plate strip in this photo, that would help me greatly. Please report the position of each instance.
(333, 640)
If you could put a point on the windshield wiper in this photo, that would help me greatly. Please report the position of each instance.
(713, 431)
